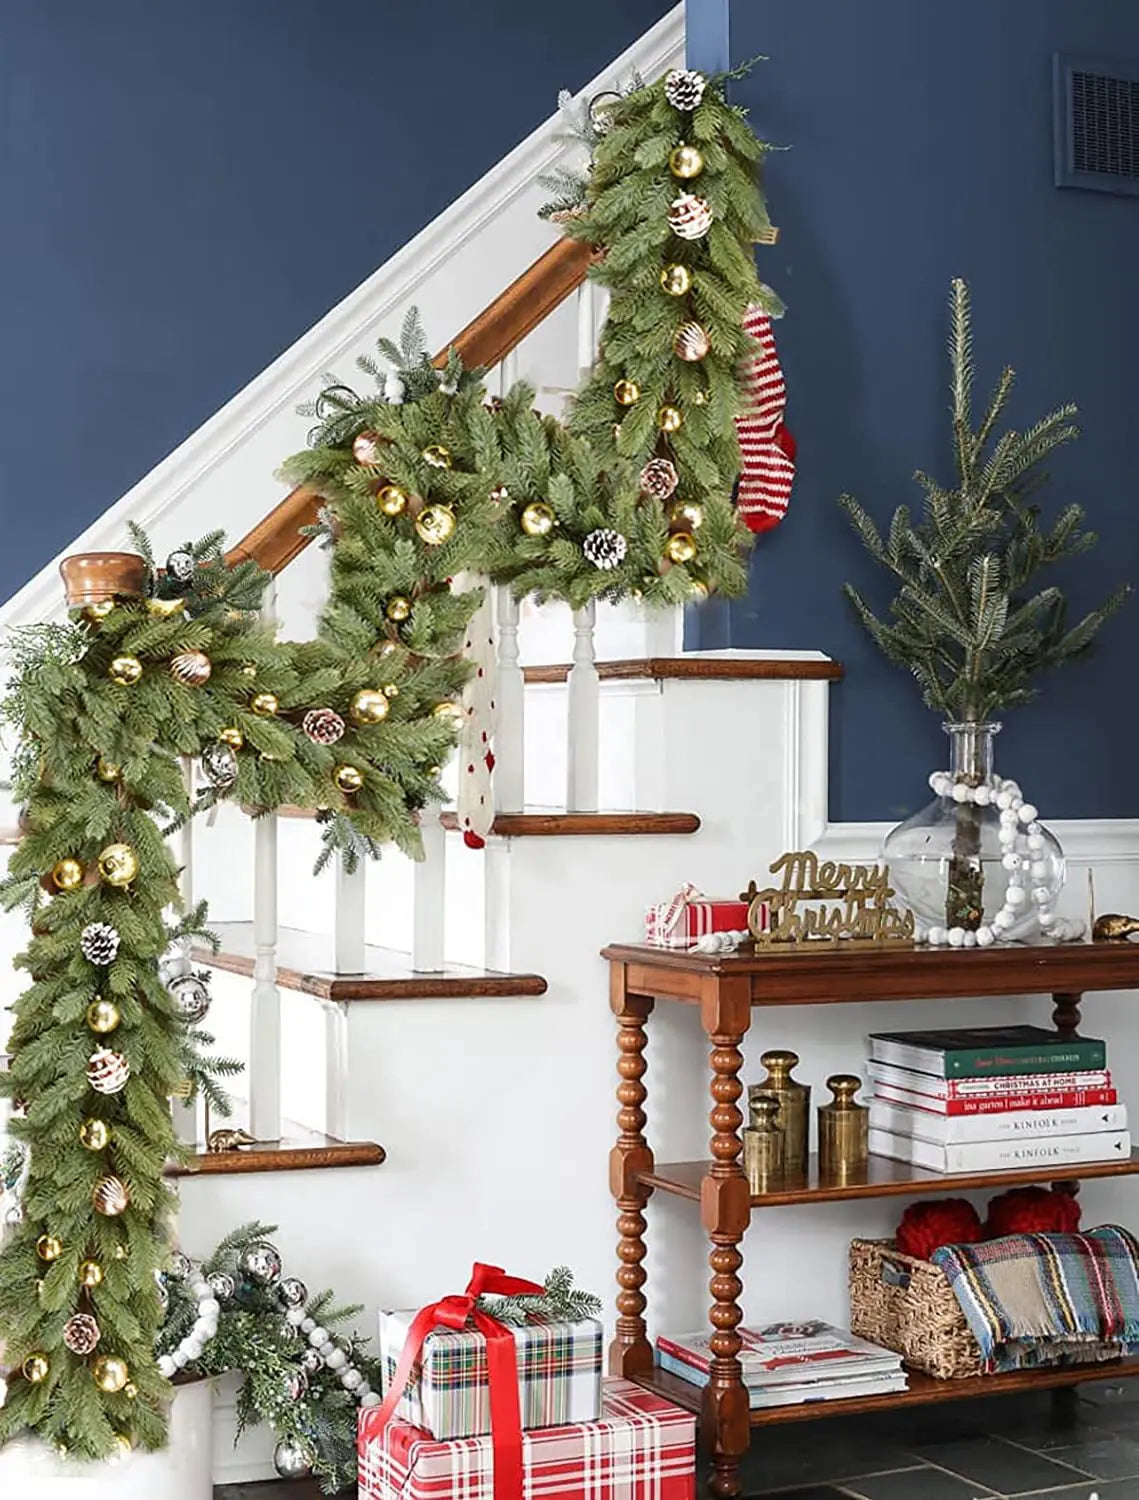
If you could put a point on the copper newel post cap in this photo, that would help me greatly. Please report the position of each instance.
(95, 577)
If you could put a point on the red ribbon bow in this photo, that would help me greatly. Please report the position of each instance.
(501, 1364)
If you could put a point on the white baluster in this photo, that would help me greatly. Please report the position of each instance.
(508, 782)
(430, 891)
(265, 1009)
(586, 329)
(582, 716)
(351, 889)
(188, 1114)
(336, 1054)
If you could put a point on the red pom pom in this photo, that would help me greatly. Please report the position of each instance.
(1032, 1210)
(473, 840)
(925, 1227)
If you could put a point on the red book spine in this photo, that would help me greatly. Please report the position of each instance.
(999, 1104)
(686, 1356)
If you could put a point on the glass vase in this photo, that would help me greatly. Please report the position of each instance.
(947, 863)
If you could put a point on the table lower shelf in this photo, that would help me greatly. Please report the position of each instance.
(882, 1178)
(923, 1390)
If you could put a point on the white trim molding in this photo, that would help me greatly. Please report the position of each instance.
(1085, 841)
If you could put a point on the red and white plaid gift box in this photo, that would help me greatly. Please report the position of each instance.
(689, 915)
(641, 1448)
(559, 1375)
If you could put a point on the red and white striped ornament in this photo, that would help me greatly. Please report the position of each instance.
(766, 445)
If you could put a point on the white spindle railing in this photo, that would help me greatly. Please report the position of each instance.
(265, 1007)
(351, 891)
(582, 716)
(429, 898)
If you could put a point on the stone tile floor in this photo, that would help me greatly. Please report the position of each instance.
(1069, 1447)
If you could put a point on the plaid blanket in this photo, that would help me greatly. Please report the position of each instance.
(1048, 1299)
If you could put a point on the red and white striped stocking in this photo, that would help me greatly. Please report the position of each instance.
(766, 445)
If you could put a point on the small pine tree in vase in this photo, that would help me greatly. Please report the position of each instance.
(976, 626)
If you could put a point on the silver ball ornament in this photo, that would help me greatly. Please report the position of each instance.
(296, 1384)
(180, 1266)
(311, 1362)
(261, 1262)
(290, 1460)
(222, 1284)
(293, 1292)
(191, 997)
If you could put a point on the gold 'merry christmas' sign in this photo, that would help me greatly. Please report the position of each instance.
(826, 901)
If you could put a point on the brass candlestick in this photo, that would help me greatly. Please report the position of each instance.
(794, 1106)
(763, 1143)
(844, 1130)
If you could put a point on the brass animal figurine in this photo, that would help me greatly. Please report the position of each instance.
(229, 1140)
(1114, 927)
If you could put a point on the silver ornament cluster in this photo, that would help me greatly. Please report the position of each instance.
(260, 1262)
(180, 565)
(1018, 820)
(605, 548)
(323, 1351)
(99, 943)
(684, 88)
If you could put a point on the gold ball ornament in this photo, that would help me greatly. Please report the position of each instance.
(369, 706)
(90, 1274)
(265, 705)
(366, 447)
(103, 1016)
(348, 779)
(676, 280)
(390, 690)
(249, 669)
(122, 1442)
(449, 711)
(232, 737)
(680, 547)
(191, 668)
(436, 456)
(110, 1373)
(391, 500)
(107, 770)
(125, 670)
(670, 418)
(49, 1247)
(398, 608)
(130, 1391)
(691, 343)
(435, 524)
(538, 519)
(36, 1369)
(700, 398)
(686, 162)
(118, 864)
(121, 1252)
(686, 515)
(110, 1197)
(93, 613)
(165, 609)
(699, 590)
(94, 1135)
(67, 875)
(626, 393)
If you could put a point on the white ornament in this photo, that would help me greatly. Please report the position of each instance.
(1041, 895)
(336, 1360)
(1026, 813)
(370, 1400)
(1046, 918)
(969, 940)
(1035, 842)
(394, 388)
(1004, 799)
(351, 1380)
(295, 1316)
(166, 1367)
(317, 1335)
(936, 935)
(984, 936)
(961, 792)
(1014, 896)
(982, 795)
(1011, 860)
(307, 1326)
(956, 936)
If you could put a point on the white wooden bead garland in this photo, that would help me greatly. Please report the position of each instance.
(331, 1354)
(1018, 822)
(205, 1326)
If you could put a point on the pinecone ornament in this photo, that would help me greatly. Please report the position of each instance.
(689, 216)
(81, 1334)
(107, 1071)
(324, 726)
(659, 478)
(180, 565)
(605, 548)
(99, 943)
(684, 88)
(219, 765)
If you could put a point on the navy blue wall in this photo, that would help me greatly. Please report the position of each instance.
(921, 150)
(189, 184)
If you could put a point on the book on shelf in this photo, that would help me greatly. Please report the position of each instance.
(1081, 1080)
(1021, 1124)
(998, 1103)
(784, 1353)
(1006, 1155)
(987, 1051)
(802, 1394)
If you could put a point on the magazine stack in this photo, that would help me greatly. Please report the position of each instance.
(993, 1098)
(788, 1364)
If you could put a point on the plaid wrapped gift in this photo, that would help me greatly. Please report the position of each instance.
(640, 1448)
(559, 1375)
(679, 921)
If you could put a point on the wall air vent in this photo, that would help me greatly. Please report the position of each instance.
(1096, 124)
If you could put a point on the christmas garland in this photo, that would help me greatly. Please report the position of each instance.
(425, 482)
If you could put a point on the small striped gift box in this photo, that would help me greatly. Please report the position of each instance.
(640, 1448)
(559, 1371)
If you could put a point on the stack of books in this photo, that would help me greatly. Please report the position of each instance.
(788, 1364)
(993, 1098)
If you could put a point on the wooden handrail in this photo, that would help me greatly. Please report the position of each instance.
(276, 540)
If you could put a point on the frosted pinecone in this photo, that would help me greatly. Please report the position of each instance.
(181, 565)
(99, 943)
(684, 88)
(324, 726)
(659, 478)
(605, 548)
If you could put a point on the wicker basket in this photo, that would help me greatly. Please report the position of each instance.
(907, 1305)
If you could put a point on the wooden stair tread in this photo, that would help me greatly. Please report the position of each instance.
(553, 823)
(302, 964)
(692, 667)
(299, 1149)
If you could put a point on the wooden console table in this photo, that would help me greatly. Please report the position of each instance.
(726, 989)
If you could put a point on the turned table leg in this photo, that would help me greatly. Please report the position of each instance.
(726, 1210)
(630, 1353)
